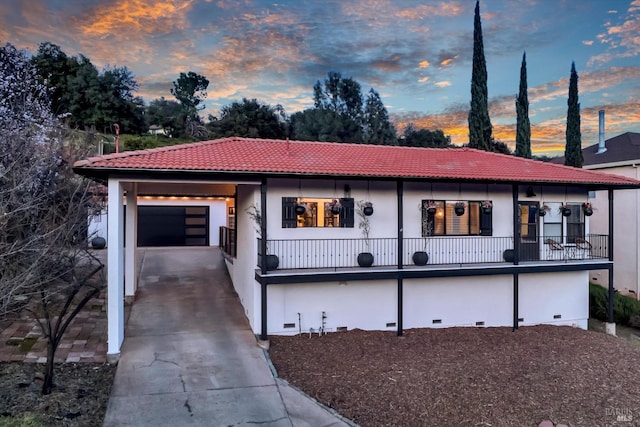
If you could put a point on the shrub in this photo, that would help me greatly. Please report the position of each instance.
(624, 307)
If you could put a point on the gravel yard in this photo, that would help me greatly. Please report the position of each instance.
(467, 376)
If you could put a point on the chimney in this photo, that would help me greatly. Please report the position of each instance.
(601, 146)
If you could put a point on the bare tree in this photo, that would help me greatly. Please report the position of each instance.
(45, 266)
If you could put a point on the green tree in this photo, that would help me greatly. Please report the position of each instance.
(523, 126)
(319, 124)
(190, 90)
(342, 95)
(167, 114)
(413, 137)
(116, 102)
(479, 121)
(377, 127)
(54, 68)
(87, 98)
(251, 119)
(573, 147)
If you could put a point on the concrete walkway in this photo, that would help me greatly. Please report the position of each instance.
(189, 357)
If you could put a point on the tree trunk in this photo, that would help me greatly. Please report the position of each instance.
(47, 385)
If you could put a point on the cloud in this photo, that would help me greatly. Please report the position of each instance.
(622, 38)
(423, 11)
(587, 42)
(443, 84)
(423, 79)
(424, 64)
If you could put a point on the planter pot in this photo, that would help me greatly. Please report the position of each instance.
(368, 210)
(335, 210)
(98, 243)
(566, 212)
(365, 259)
(300, 209)
(588, 211)
(486, 210)
(431, 210)
(420, 258)
(459, 210)
(542, 212)
(272, 262)
(508, 255)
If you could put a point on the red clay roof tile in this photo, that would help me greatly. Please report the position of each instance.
(264, 156)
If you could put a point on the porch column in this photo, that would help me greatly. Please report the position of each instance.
(263, 260)
(131, 233)
(400, 191)
(115, 271)
(610, 327)
(516, 225)
(516, 290)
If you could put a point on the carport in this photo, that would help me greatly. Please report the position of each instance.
(124, 189)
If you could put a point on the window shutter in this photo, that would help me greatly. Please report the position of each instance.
(347, 214)
(486, 223)
(289, 217)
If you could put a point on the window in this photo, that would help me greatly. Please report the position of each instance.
(554, 220)
(439, 219)
(317, 212)
(575, 224)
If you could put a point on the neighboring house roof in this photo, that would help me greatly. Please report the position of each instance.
(622, 149)
(292, 158)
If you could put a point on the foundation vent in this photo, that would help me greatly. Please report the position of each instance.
(436, 321)
(289, 325)
(341, 329)
(391, 324)
(557, 316)
(480, 323)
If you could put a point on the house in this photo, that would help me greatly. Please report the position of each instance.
(500, 250)
(158, 130)
(619, 155)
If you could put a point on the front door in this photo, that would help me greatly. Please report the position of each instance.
(529, 242)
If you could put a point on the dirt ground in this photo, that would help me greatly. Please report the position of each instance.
(467, 376)
(79, 399)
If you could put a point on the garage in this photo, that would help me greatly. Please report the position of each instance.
(173, 226)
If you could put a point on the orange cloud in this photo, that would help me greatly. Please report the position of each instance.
(623, 39)
(424, 64)
(423, 11)
(136, 16)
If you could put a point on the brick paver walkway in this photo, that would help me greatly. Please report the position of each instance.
(84, 341)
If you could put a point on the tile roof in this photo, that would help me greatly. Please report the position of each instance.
(279, 157)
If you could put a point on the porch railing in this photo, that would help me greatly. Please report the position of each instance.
(227, 239)
(343, 253)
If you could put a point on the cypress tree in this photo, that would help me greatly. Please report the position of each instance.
(523, 126)
(479, 121)
(573, 147)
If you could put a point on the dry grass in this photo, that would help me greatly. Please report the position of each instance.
(467, 376)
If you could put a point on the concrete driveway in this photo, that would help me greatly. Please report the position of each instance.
(189, 357)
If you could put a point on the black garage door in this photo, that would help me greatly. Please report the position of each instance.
(173, 226)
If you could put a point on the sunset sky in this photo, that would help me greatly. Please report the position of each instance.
(417, 54)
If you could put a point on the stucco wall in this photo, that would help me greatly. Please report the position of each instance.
(437, 302)
(626, 250)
